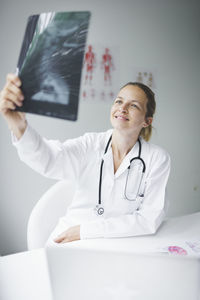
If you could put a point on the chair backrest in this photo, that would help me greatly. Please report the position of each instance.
(46, 213)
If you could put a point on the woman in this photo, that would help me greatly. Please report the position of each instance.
(120, 177)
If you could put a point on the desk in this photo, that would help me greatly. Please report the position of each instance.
(25, 276)
(108, 269)
(136, 268)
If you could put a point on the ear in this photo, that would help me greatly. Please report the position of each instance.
(148, 121)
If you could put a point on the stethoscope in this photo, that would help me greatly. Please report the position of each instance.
(99, 208)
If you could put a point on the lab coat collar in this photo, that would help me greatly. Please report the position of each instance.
(109, 150)
(108, 156)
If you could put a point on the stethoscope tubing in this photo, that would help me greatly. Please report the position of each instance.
(125, 195)
(135, 158)
(101, 169)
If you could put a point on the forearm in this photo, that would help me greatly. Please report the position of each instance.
(18, 128)
(11, 97)
(136, 224)
(50, 158)
(37, 153)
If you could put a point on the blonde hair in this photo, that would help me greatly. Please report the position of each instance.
(146, 132)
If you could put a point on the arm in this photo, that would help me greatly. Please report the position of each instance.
(10, 97)
(51, 158)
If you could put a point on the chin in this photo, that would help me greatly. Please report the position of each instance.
(116, 122)
(120, 127)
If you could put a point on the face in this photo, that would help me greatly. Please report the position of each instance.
(129, 110)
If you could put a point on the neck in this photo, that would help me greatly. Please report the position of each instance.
(122, 144)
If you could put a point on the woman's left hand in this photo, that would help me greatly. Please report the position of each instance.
(71, 234)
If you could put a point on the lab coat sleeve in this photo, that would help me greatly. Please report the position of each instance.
(51, 158)
(149, 216)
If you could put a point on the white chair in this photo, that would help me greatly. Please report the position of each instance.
(46, 213)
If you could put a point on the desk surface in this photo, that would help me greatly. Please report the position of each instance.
(25, 276)
(128, 268)
(173, 232)
(122, 274)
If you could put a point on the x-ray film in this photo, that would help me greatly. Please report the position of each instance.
(50, 63)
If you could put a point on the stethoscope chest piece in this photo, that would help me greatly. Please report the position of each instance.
(99, 210)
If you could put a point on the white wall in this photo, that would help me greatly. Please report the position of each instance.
(163, 35)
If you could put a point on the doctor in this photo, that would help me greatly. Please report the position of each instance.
(120, 177)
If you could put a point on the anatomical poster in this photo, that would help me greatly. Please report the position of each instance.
(50, 63)
(147, 76)
(100, 77)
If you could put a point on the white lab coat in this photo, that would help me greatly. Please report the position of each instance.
(79, 160)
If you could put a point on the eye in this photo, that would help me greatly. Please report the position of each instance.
(118, 101)
(133, 105)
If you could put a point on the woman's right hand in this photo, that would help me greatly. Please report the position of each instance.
(10, 97)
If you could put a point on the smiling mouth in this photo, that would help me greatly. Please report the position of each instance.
(123, 118)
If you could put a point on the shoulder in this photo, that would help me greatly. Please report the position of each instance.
(156, 153)
(96, 139)
(90, 141)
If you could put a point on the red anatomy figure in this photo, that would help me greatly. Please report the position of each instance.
(107, 64)
(89, 61)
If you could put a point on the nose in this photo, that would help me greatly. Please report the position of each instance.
(124, 108)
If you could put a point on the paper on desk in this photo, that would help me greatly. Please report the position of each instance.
(194, 245)
(180, 248)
